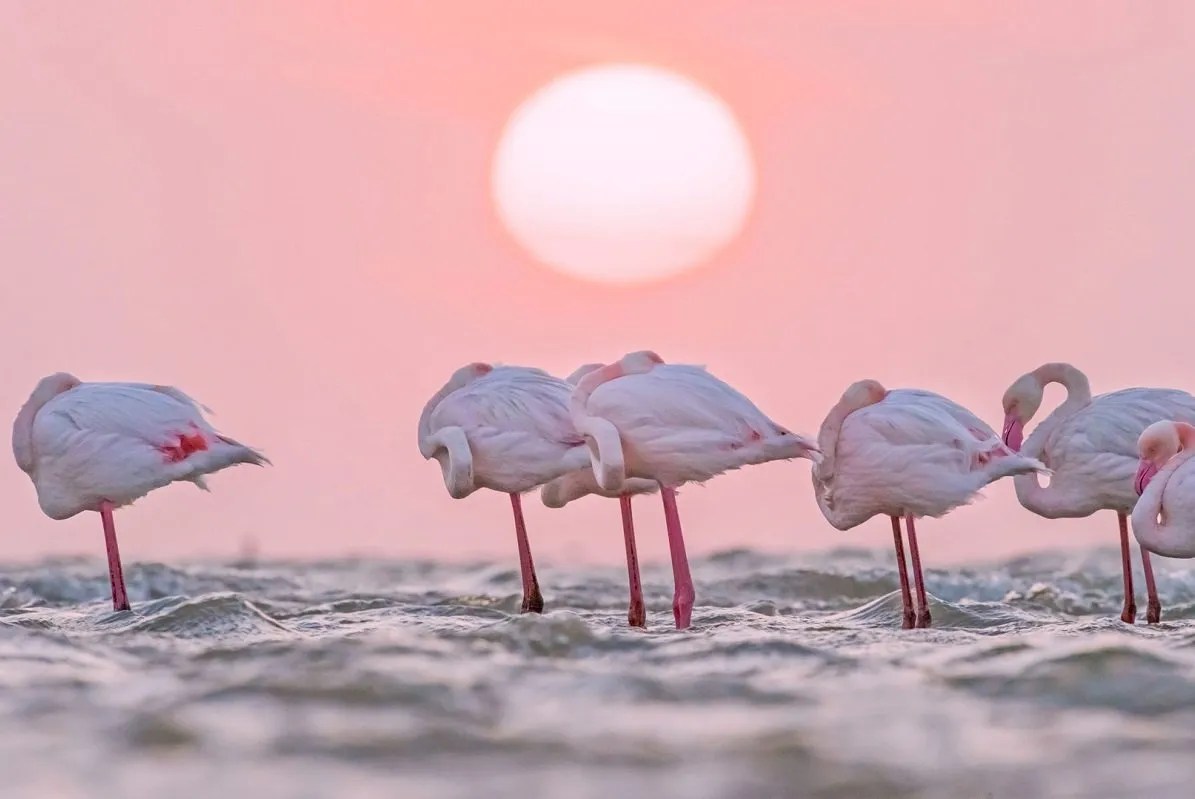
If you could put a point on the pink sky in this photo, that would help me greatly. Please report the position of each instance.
(284, 209)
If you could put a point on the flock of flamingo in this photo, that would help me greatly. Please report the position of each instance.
(640, 425)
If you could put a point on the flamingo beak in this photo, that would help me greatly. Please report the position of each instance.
(1014, 433)
(811, 450)
(1145, 472)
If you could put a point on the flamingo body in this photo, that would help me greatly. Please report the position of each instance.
(1090, 444)
(100, 446)
(1092, 451)
(516, 422)
(910, 452)
(116, 442)
(506, 428)
(680, 424)
(905, 453)
(671, 424)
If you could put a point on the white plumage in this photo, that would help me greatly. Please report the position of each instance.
(117, 442)
(515, 425)
(1090, 444)
(506, 428)
(100, 446)
(672, 424)
(582, 482)
(1164, 516)
(677, 424)
(905, 453)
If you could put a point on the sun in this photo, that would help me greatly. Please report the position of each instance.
(623, 173)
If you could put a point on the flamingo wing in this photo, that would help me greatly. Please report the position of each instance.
(126, 413)
(511, 400)
(910, 417)
(681, 397)
(917, 418)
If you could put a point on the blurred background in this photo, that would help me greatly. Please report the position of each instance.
(307, 215)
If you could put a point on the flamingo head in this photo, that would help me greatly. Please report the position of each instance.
(787, 444)
(22, 427)
(862, 393)
(468, 373)
(1159, 442)
(641, 361)
(49, 387)
(1021, 401)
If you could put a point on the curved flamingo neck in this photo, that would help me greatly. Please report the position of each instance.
(22, 427)
(602, 439)
(1078, 388)
(460, 379)
(1046, 500)
(1156, 529)
(828, 433)
(634, 363)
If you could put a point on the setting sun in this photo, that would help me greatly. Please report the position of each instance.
(623, 174)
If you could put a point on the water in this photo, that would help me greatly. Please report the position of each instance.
(370, 679)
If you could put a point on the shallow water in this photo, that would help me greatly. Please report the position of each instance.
(400, 679)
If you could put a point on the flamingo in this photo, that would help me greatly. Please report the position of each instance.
(1164, 516)
(574, 485)
(905, 453)
(506, 428)
(1090, 443)
(101, 446)
(673, 424)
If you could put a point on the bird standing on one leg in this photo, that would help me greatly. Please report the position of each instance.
(100, 446)
(506, 428)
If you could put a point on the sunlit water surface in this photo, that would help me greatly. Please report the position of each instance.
(401, 679)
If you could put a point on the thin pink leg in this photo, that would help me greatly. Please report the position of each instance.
(923, 618)
(1153, 611)
(637, 614)
(906, 597)
(682, 600)
(1129, 614)
(533, 601)
(120, 597)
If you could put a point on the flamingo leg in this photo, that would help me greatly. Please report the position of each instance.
(1129, 614)
(533, 601)
(1153, 611)
(120, 597)
(923, 617)
(637, 614)
(682, 601)
(906, 597)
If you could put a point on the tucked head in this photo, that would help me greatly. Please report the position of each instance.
(55, 384)
(862, 393)
(22, 427)
(633, 363)
(641, 361)
(1156, 445)
(473, 371)
(466, 375)
(1021, 401)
